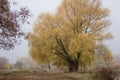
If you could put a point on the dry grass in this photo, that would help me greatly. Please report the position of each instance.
(34, 76)
(26, 75)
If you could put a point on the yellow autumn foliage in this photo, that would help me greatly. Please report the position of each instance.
(68, 37)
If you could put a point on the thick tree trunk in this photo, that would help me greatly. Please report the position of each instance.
(73, 67)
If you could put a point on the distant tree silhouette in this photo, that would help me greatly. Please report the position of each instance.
(3, 63)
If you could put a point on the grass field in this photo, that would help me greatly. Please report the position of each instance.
(45, 76)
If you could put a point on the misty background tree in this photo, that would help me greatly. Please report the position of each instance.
(10, 24)
(69, 37)
(26, 63)
(4, 63)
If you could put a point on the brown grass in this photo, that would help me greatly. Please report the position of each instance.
(35, 76)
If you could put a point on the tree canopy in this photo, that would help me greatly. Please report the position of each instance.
(69, 37)
(10, 24)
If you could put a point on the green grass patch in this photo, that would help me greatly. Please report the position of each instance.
(79, 76)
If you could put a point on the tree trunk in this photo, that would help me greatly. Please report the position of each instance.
(73, 67)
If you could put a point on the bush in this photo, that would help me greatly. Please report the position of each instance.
(105, 74)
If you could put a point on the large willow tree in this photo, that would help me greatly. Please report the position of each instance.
(68, 37)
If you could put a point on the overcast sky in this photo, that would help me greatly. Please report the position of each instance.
(41, 6)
